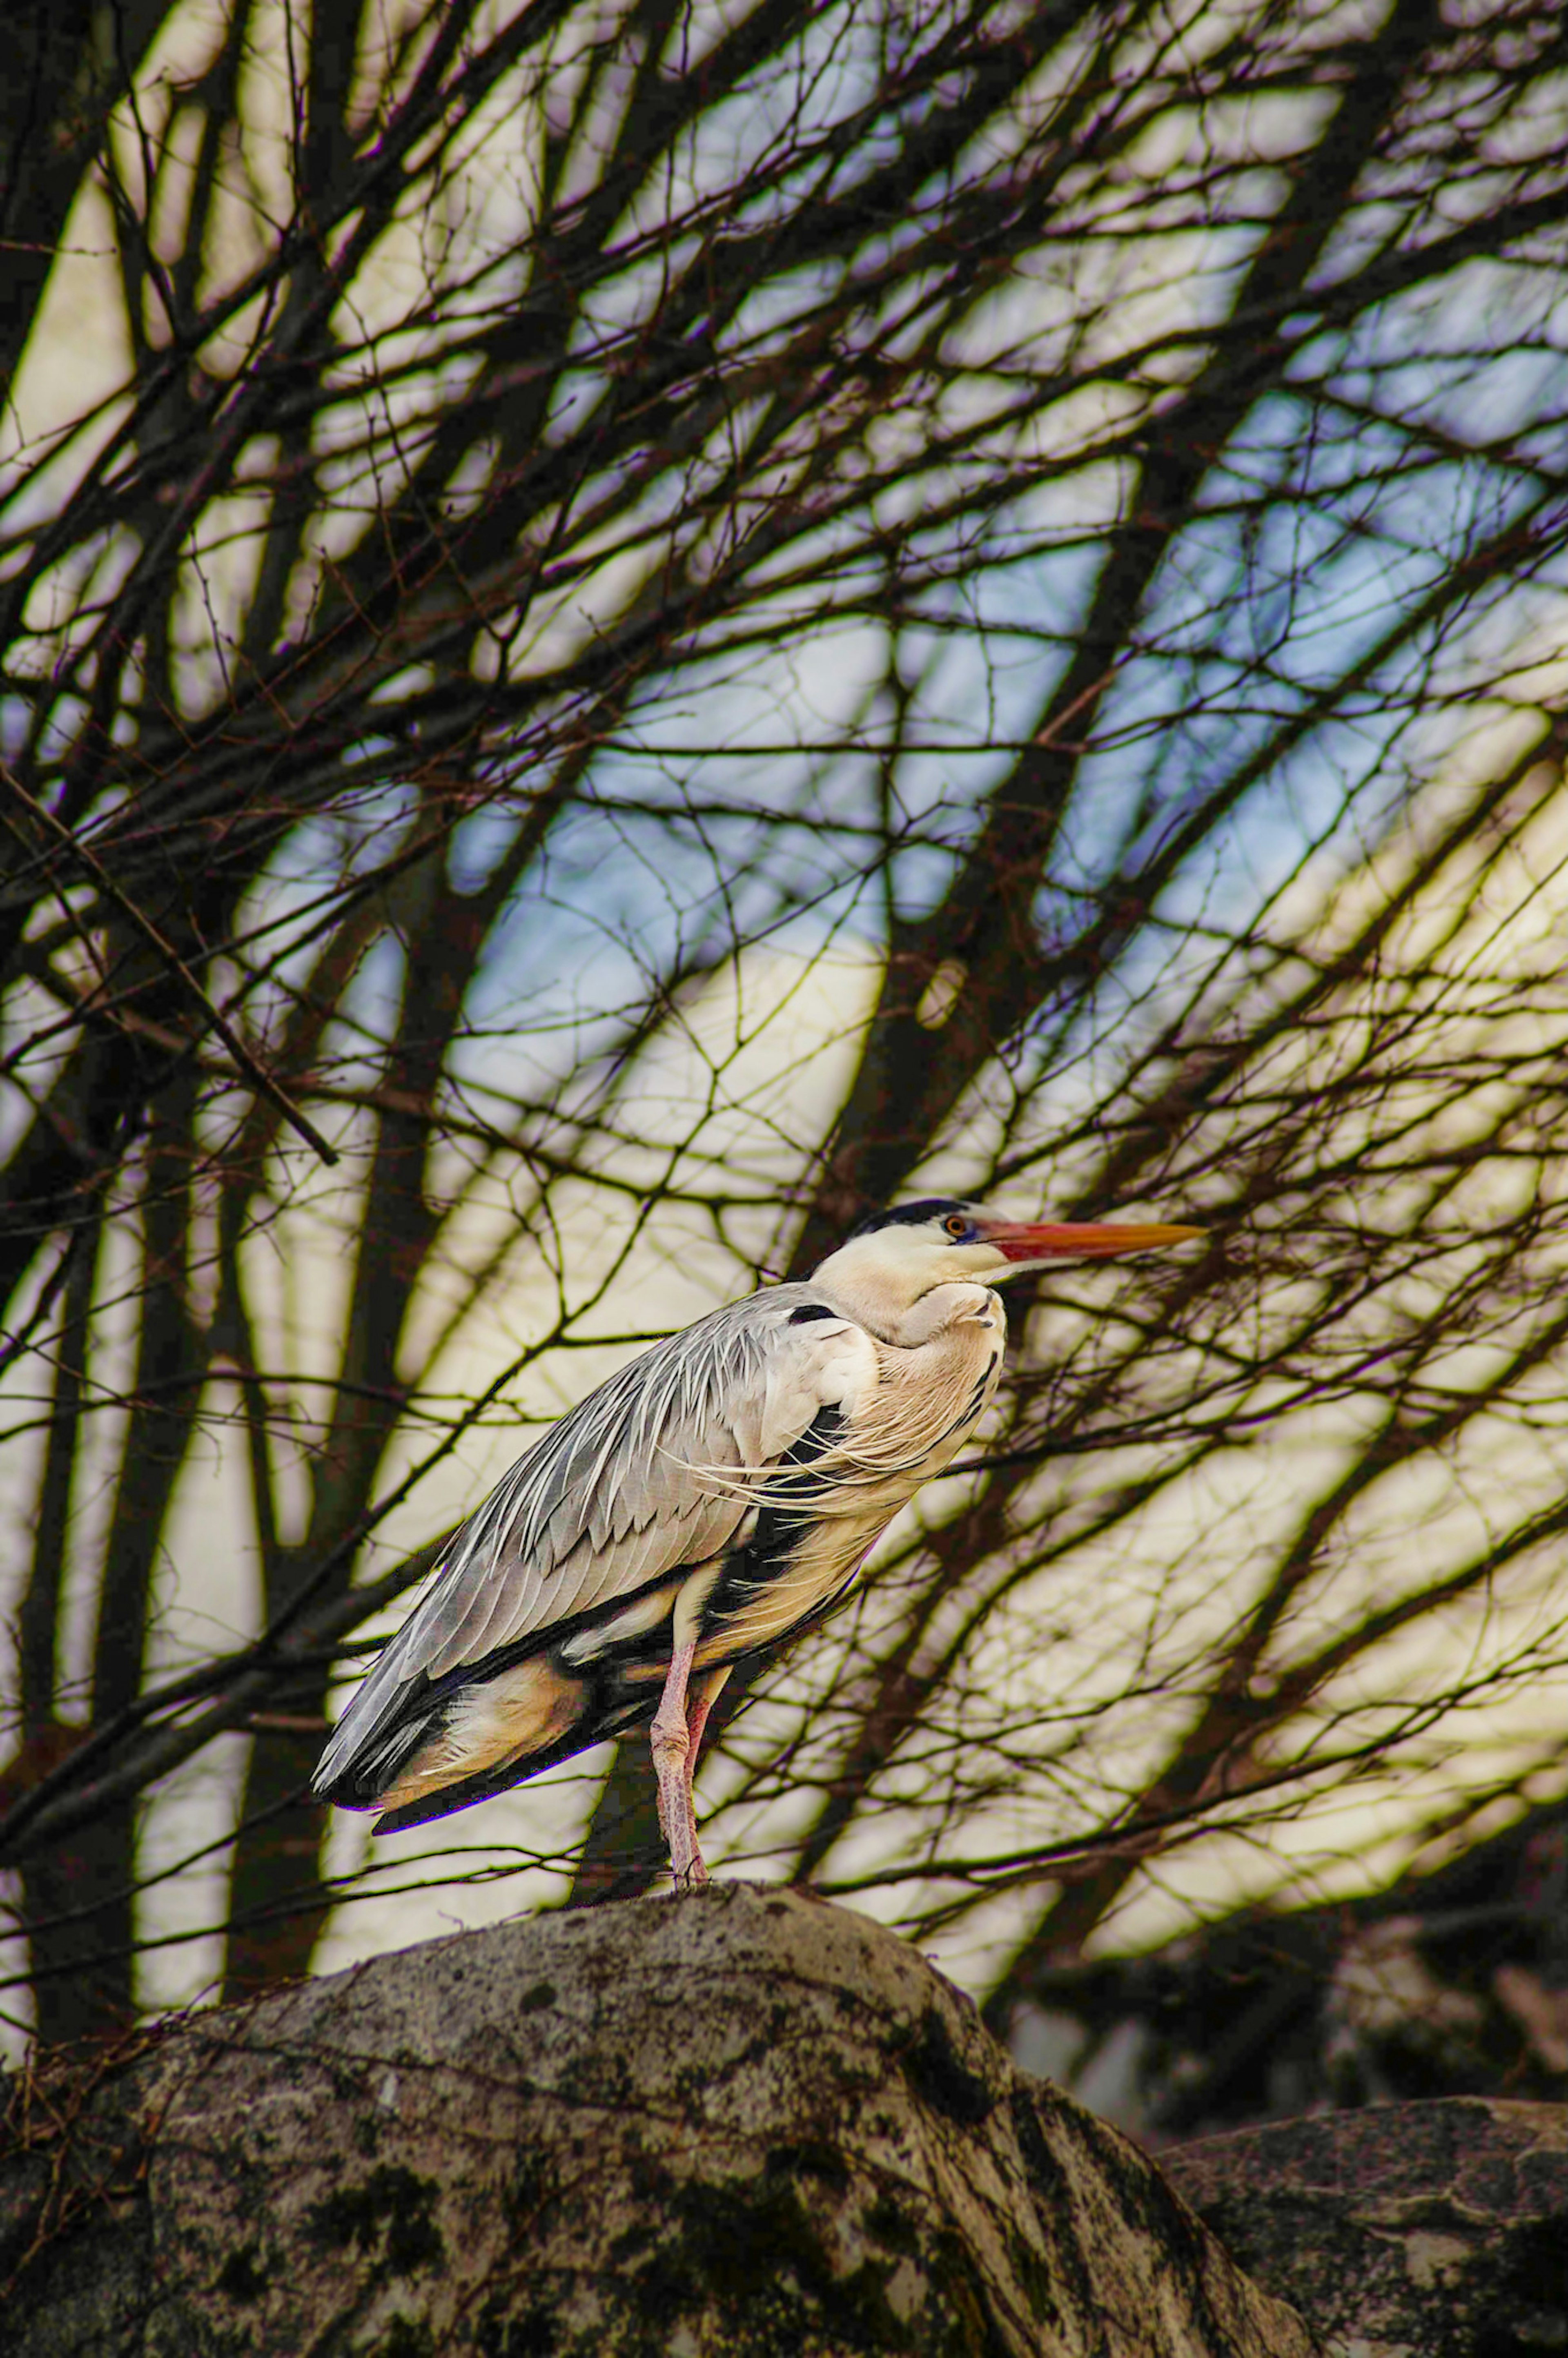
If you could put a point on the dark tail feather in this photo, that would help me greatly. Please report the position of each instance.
(594, 1728)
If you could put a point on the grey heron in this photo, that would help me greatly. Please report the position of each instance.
(711, 1501)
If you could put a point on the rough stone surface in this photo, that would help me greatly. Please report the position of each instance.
(1432, 2230)
(737, 2125)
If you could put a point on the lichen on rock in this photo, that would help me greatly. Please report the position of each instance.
(737, 2125)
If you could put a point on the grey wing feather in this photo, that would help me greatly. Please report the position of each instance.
(628, 1484)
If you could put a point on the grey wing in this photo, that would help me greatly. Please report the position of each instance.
(649, 1474)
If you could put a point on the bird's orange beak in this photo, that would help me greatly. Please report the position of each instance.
(1078, 1240)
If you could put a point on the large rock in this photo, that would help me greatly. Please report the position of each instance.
(1435, 2230)
(739, 2124)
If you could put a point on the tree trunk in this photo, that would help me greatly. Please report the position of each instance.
(734, 2123)
(278, 1901)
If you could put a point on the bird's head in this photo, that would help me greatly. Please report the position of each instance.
(903, 1253)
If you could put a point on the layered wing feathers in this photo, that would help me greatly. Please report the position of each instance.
(650, 1471)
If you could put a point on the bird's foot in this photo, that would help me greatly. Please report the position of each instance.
(692, 1875)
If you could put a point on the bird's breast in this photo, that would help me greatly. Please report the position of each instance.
(906, 1415)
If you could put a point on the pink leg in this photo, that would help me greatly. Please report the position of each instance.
(708, 1695)
(674, 1752)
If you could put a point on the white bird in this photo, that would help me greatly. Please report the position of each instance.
(711, 1501)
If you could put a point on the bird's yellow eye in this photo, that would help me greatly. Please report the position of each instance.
(955, 1226)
